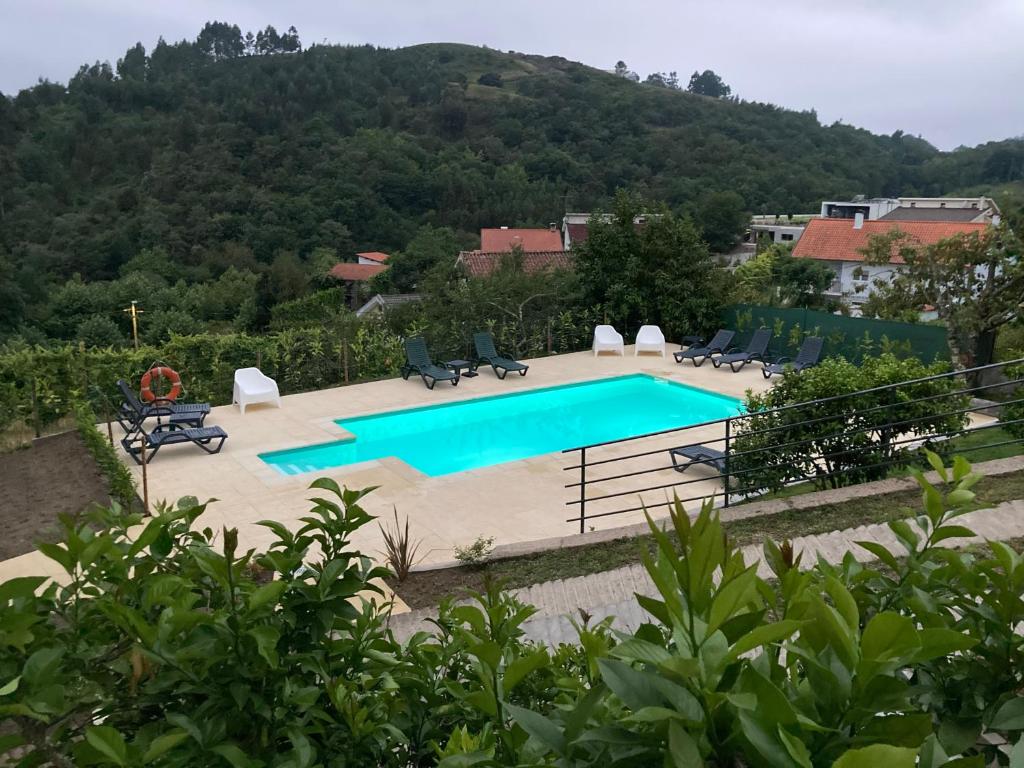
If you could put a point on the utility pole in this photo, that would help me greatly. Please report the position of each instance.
(134, 313)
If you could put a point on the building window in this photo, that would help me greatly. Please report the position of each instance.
(786, 236)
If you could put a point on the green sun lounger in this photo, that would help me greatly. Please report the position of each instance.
(487, 354)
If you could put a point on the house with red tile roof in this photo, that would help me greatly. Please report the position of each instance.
(354, 277)
(839, 242)
(372, 257)
(483, 263)
(504, 239)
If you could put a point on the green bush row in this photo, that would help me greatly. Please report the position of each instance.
(119, 479)
(175, 648)
(41, 385)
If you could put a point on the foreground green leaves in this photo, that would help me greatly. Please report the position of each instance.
(170, 647)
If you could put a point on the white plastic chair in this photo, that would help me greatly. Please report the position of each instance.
(649, 339)
(253, 386)
(607, 339)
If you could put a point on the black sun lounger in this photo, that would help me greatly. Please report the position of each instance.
(486, 353)
(133, 411)
(808, 356)
(697, 454)
(717, 345)
(418, 361)
(209, 439)
(755, 350)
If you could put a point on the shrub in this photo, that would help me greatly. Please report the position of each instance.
(474, 554)
(843, 441)
(174, 648)
(119, 479)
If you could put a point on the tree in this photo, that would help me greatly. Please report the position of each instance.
(623, 70)
(492, 79)
(722, 218)
(663, 80)
(633, 262)
(974, 281)
(707, 83)
(220, 41)
(133, 65)
(407, 268)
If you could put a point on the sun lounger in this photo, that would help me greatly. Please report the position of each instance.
(717, 345)
(209, 439)
(808, 356)
(133, 411)
(697, 454)
(756, 350)
(486, 353)
(418, 361)
(649, 339)
(607, 339)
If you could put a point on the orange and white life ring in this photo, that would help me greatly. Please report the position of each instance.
(163, 372)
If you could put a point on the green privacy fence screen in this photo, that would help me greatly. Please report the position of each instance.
(851, 337)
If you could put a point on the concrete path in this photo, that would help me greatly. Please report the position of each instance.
(612, 593)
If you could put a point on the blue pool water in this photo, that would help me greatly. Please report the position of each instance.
(442, 439)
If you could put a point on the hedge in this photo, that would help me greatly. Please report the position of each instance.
(119, 479)
(41, 385)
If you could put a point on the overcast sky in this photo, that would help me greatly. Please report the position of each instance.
(951, 71)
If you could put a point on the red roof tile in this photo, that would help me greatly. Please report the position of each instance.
(503, 240)
(356, 272)
(837, 240)
(480, 264)
(374, 256)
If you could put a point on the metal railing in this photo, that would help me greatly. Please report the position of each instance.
(856, 437)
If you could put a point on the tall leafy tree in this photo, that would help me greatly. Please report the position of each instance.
(974, 281)
(707, 83)
(642, 264)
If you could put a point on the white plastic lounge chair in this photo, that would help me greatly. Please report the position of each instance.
(253, 386)
(607, 339)
(649, 339)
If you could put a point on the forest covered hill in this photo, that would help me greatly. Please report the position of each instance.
(218, 162)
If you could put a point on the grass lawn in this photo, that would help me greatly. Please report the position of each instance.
(426, 588)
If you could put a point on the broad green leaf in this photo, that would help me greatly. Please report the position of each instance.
(1009, 716)
(41, 667)
(877, 756)
(769, 633)
(951, 532)
(937, 465)
(942, 642)
(635, 649)
(843, 601)
(233, 754)
(959, 498)
(796, 748)
(905, 533)
(268, 593)
(109, 742)
(881, 552)
(266, 638)
(521, 667)
(539, 727)
(731, 597)
(10, 687)
(682, 748)
(889, 637)
(1017, 754)
(898, 730)
(163, 743)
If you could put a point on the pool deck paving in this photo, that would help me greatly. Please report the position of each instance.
(511, 502)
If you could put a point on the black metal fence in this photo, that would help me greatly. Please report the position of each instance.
(830, 442)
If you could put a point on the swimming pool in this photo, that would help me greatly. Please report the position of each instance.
(453, 437)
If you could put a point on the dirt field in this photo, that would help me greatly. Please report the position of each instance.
(54, 476)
